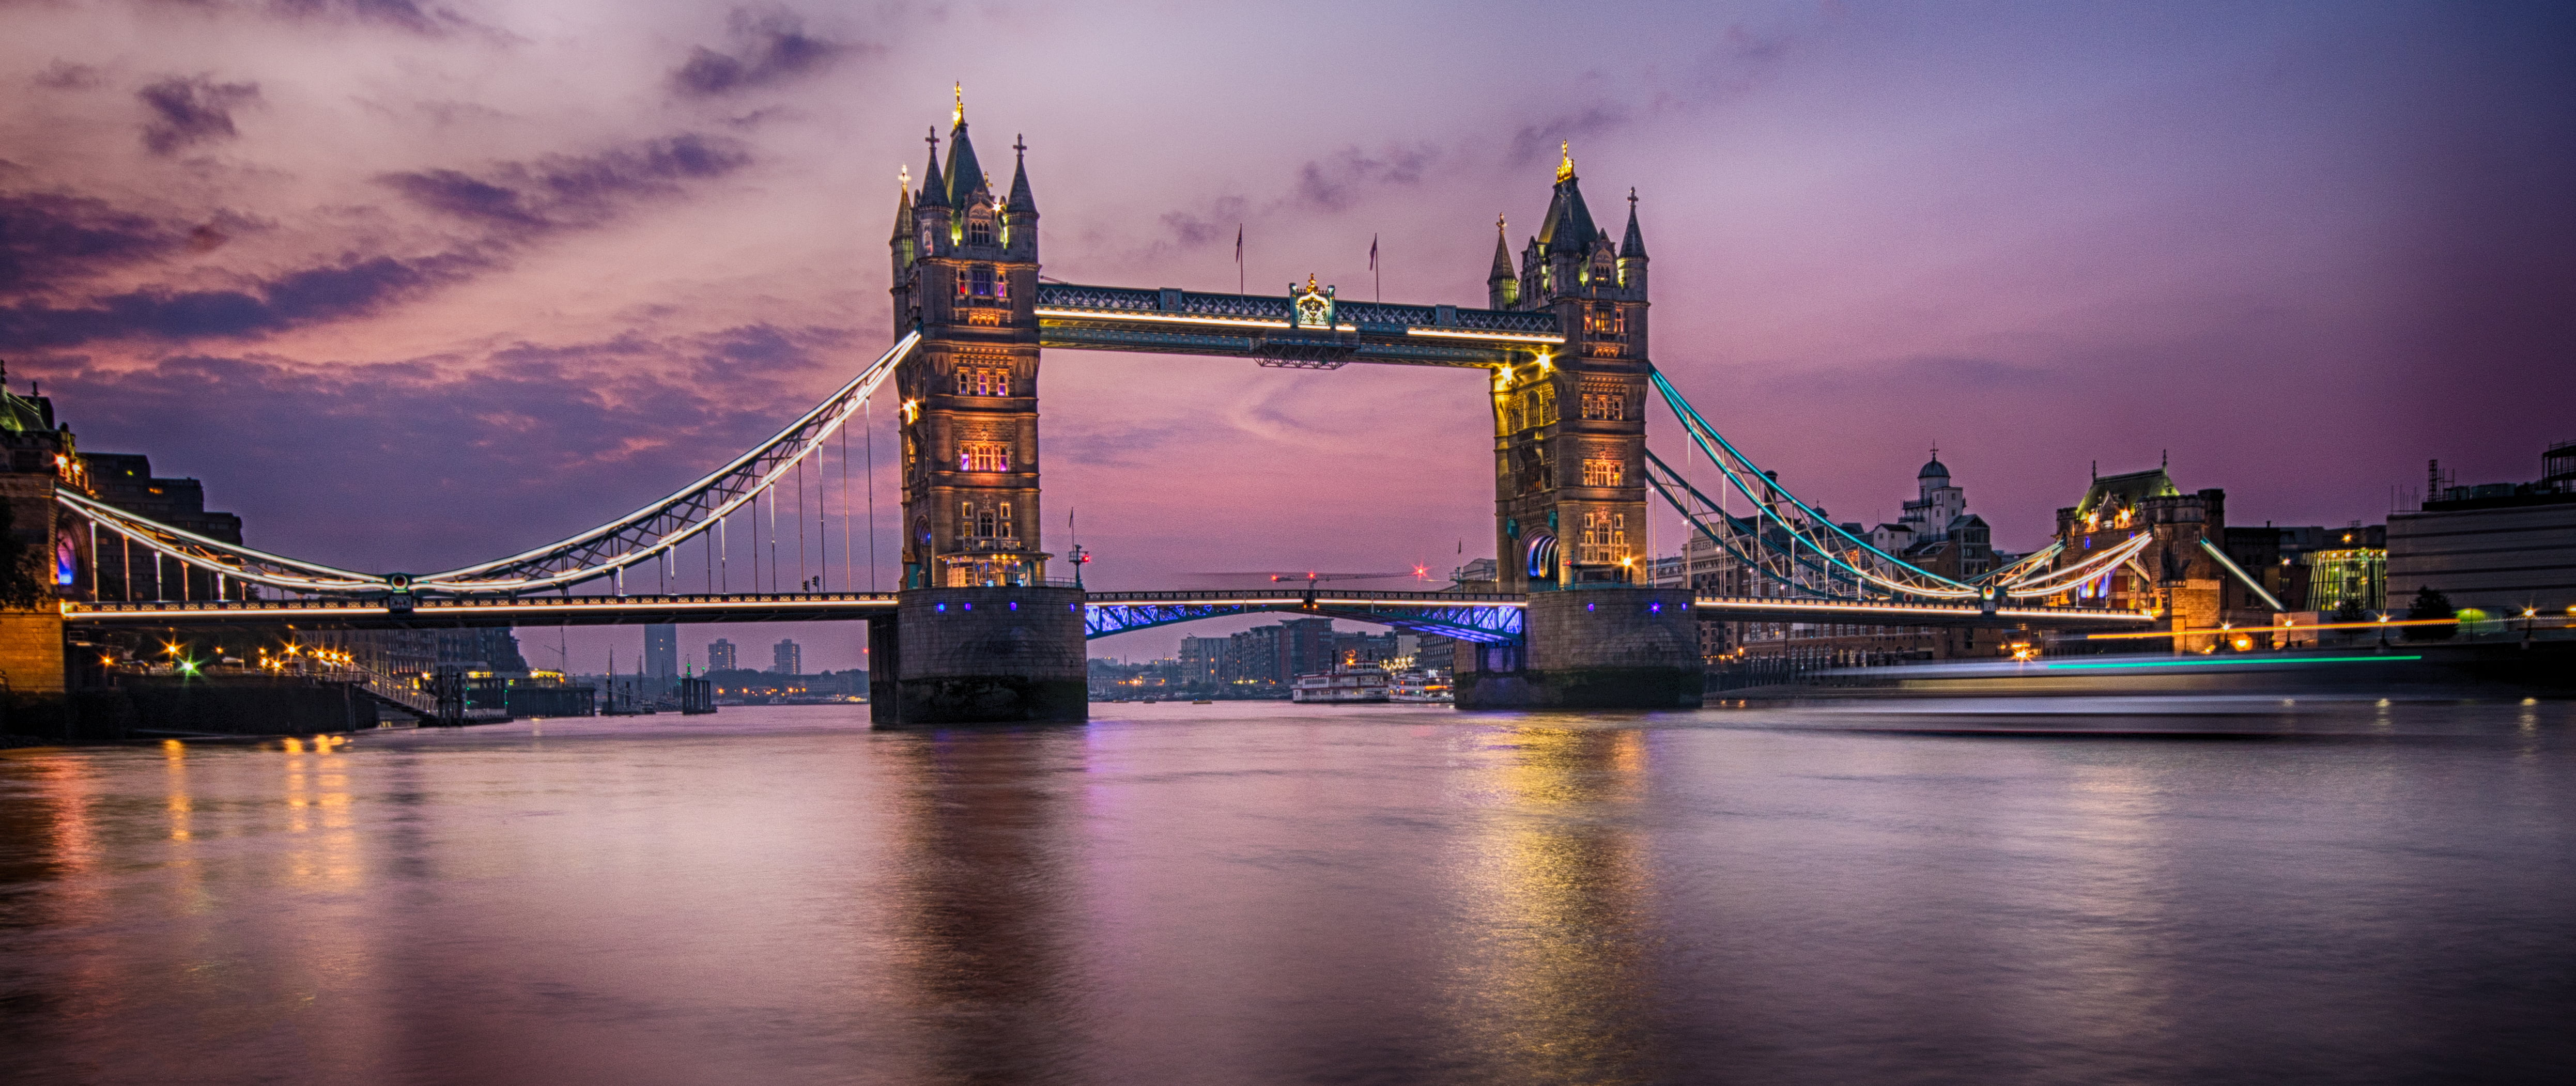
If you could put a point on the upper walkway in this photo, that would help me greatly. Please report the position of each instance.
(1266, 327)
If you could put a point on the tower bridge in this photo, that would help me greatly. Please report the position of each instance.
(978, 629)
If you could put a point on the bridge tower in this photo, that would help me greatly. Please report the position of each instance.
(1569, 480)
(979, 636)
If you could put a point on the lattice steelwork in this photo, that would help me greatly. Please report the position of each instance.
(1492, 619)
(1805, 554)
(606, 551)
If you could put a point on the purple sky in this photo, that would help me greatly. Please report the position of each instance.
(415, 284)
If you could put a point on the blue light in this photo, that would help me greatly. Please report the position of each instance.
(1015, 605)
(1656, 607)
(942, 608)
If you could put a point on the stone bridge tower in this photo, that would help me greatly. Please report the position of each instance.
(1570, 485)
(978, 637)
(1569, 431)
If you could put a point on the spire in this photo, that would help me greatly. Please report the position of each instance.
(1568, 228)
(959, 117)
(1021, 200)
(965, 175)
(932, 188)
(902, 204)
(1502, 255)
(1634, 245)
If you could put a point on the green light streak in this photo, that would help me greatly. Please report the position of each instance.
(2215, 663)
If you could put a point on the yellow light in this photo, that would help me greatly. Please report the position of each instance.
(1565, 160)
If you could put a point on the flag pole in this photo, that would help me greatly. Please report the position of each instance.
(1238, 258)
(1377, 286)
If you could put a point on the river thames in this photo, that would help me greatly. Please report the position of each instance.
(2077, 892)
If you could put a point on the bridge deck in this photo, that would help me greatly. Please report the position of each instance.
(1477, 616)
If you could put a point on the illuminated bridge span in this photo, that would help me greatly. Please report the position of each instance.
(1562, 347)
(1489, 618)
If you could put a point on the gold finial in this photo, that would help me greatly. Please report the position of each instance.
(1310, 282)
(960, 116)
(903, 177)
(1498, 223)
(1565, 160)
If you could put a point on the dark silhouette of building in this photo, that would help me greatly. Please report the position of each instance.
(661, 652)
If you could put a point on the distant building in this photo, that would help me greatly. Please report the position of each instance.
(125, 480)
(1200, 659)
(2501, 547)
(786, 658)
(720, 655)
(661, 651)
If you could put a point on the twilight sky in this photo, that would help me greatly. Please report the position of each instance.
(411, 284)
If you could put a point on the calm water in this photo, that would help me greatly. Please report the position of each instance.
(2246, 892)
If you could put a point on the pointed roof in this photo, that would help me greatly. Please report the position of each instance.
(903, 205)
(1932, 469)
(1021, 199)
(1568, 228)
(933, 188)
(965, 175)
(1634, 245)
(2130, 489)
(1502, 254)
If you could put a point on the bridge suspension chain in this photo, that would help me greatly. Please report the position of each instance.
(1793, 545)
(645, 535)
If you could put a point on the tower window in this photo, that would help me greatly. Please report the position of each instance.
(1605, 322)
(1604, 540)
(1597, 472)
(1610, 406)
(983, 381)
(983, 456)
(979, 230)
(982, 281)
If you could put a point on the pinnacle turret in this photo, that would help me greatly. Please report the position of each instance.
(933, 188)
(1634, 245)
(1022, 201)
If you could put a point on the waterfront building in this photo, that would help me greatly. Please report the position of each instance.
(2500, 547)
(721, 656)
(786, 658)
(661, 652)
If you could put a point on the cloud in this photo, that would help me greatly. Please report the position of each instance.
(1334, 183)
(1191, 230)
(349, 287)
(1539, 141)
(64, 75)
(191, 110)
(569, 190)
(773, 46)
(48, 237)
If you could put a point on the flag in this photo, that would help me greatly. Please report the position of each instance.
(1372, 252)
(1238, 244)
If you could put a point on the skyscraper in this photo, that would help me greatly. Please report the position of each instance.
(661, 651)
(787, 658)
(720, 655)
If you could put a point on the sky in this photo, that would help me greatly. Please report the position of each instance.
(414, 284)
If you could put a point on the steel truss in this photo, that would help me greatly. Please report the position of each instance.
(1490, 620)
(644, 535)
(1801, 551)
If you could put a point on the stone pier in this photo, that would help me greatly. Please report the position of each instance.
(1004, 655)
(1601, 648)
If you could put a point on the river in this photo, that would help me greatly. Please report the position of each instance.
(2077, 892)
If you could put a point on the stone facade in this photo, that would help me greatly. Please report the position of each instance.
(1569, 429)
(966, 276)
(979, 656)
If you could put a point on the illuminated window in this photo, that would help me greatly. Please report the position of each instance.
(983, 456)
(1605, 322)
(1609, 406)
(979, 230)
(965, 283)
(1604, 540)
(986, 520)
(982, 280)
(1545, 412)
(1604, 473)
(983, 381)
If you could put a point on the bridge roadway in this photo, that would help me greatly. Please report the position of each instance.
(1491, 617)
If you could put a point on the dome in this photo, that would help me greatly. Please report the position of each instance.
(1932, 469)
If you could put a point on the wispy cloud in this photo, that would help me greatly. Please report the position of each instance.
(769, 47)
(190, 110)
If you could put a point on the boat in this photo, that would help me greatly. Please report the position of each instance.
(1421, 687)
(1355, 686)
(1204, 701)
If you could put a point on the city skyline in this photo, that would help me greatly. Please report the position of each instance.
(551, 266)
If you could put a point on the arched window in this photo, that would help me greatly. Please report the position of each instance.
(979, 229)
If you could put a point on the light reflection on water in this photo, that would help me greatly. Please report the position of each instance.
(2026, 892)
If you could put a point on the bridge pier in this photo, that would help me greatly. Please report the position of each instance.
(1004, 655)
(1599, 648)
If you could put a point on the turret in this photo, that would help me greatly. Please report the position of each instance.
(1632, 252)
(1020, 214)
(1502, 285)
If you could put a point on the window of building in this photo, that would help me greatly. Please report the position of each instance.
(965, 284)
(1604, 540)
(1605, 322)
(979, 230)
(985, 520)
(1604, 473)
(1608, 406)
(982, 280)
(983, 456)
(983, 381)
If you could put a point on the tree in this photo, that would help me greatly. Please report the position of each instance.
(22, 579)
(2429, 606)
